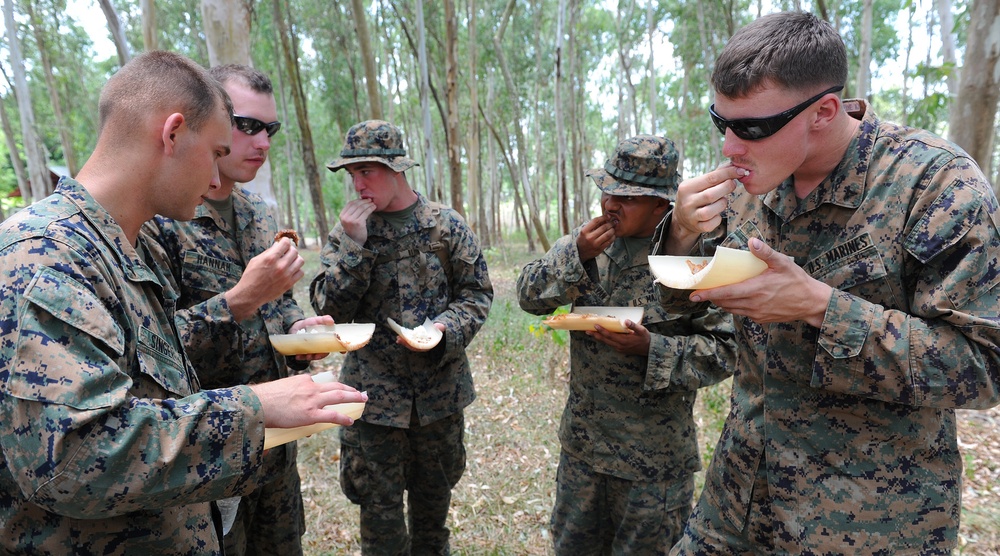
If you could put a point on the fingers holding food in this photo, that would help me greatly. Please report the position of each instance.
(290, 234)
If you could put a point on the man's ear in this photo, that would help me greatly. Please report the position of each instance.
(828, 109)
(662, 206)
(171, 126)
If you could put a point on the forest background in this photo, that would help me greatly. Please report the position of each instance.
(505, 104)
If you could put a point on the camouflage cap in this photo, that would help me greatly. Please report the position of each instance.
(374, 141)
(641, 165)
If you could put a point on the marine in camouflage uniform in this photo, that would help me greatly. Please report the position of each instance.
(207, 257)
(108, 437)
(842, 433)
(410, 437)
(629, 443)
(108, 447)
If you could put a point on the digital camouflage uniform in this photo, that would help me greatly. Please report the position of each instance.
(848, 430)
(627, 432)
(207, 259)
(410, 436)
(109, 447)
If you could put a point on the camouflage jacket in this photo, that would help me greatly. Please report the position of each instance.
(855, 420)
(108, 447)
(629, 416)
(395, 275)
(207, 259)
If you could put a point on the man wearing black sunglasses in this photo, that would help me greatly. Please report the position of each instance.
(877, 315)
(234, 285)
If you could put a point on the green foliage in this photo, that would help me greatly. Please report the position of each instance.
(598, 37)
(541, 330)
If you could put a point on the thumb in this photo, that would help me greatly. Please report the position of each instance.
(761, 250)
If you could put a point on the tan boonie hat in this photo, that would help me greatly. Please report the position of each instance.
(641, 165)
(374, 141)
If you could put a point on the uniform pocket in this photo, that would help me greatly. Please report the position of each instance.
(51, 364)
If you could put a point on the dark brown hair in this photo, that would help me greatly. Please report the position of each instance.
(795, 50)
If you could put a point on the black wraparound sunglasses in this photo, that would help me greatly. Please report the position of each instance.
(759, 128)
(253, 126)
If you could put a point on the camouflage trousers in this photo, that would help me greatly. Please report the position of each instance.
(710, 533)
(597, 514)
(271, 519)
(378, 464)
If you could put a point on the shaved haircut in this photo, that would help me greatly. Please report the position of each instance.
(159, 81)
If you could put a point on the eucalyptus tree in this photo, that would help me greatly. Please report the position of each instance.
(365, 47)
(38, 174)
(284, 24)
(44, 19)
(973, 123)
(117, 34)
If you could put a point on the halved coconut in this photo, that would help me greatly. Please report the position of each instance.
(421, 338)
(584, 318)
(728, 266)
(274, 436)
(338, 338)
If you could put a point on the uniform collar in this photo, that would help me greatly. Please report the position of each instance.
(110, 231)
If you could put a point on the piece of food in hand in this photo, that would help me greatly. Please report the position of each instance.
(290, 234)
(728, 266)
(696, 267)
(277, 436)
(421, 338)
(337, 338)
(611, 319)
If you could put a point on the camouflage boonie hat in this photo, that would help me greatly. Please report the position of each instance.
(641, 165)
(374, 141)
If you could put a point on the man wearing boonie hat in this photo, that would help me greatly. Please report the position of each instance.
(629, 446)
(395, 255)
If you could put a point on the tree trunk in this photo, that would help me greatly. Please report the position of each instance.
(501, 144)
(65, 131)
(117, 34)
(906, 65)
(15, 159)
(865, 52)
(979, 87)
(709, 54)
(575, 160)
(291, 218)
(38, 164)
(627, 96)
(451, 94)
(948, 47)
(563, 197)
(519, 136)
(425, 108)
(478, 203)
(150, 37)
(652, 68)
(291, 58)
(226, 24)
(365, 45)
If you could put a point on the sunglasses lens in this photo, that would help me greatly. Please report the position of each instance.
(720, 123)
(250, 126)
(272, 128)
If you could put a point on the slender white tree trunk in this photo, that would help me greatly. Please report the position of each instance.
(117, 34)
(38, 168)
